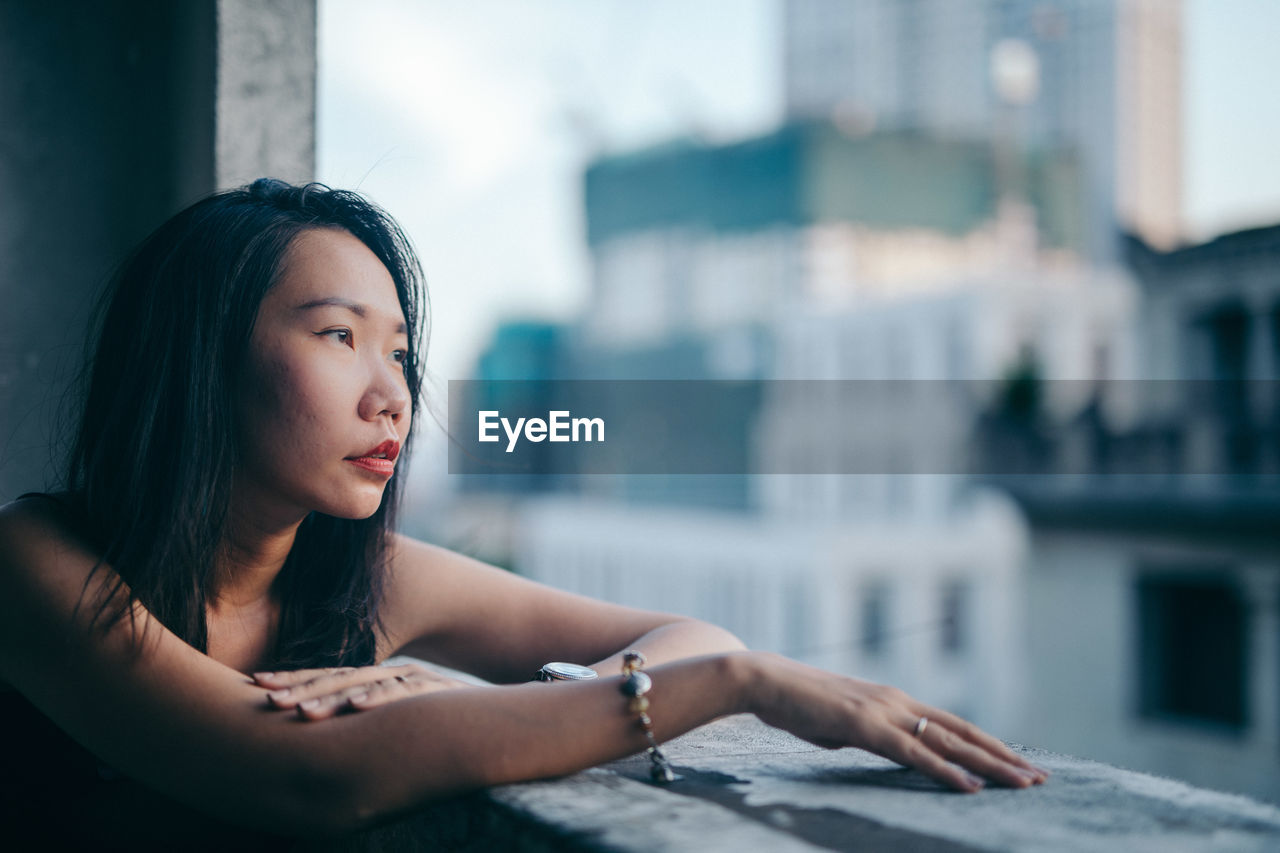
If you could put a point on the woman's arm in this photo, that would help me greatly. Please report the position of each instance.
(318, 694)
(185, 725)
(675, 640)
(460, 739)
(489, 621)
(459, 612)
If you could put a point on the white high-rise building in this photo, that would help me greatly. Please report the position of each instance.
(1100, 76)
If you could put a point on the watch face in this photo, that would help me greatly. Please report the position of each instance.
(559, 671)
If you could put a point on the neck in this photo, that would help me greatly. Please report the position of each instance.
(255, 548)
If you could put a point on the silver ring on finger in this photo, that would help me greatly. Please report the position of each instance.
(921, 725)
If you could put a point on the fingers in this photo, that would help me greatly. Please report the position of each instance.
(296, 676)
(365, 696)
(948, 727)
(956, 750)
(355, 698)
(294, 688)
(389, 690)
(910, 751)
(404, 682)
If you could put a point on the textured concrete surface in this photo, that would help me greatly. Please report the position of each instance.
(107, 130)
(266, 101)
(117, 115)
(749, 787)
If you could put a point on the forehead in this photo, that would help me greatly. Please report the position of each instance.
(329, 263)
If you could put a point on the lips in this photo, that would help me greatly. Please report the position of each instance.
(380, 460)
(388, 450)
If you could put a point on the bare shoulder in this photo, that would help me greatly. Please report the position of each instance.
(432, 591)
(18, 518)
(46, 568)
(25, 527)
(466, 614)
(37, 537)
(405, 551)
(418, 593)
(414, 564)
(39, 547)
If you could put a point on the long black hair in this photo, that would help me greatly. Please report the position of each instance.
(150, 471)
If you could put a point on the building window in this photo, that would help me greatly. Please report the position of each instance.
(874, 621)
(1192, 661)
(955, 603)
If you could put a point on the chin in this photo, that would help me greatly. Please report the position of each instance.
(352, 507)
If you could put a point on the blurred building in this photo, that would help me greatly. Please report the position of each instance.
(1154, 579)
(690, 238)
(956, 349)
(909, 579)
(837, 248)
(1100, 76)
(817, 253)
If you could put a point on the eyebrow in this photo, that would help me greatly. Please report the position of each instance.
(356, 308)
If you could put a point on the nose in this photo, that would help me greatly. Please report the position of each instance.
(387, 393)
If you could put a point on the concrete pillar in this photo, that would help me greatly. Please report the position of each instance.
(266, 95)
(115, 117)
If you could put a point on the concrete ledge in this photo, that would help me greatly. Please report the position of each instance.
(749, 787)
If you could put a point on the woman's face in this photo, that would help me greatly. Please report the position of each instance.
(323, 394)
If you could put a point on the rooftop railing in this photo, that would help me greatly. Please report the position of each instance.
(747, 787)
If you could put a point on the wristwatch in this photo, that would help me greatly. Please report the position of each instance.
(560, 671)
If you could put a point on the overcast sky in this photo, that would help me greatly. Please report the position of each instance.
(470, 122)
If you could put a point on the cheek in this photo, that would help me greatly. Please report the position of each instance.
(289, 410)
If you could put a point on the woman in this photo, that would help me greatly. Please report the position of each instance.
(227, 521)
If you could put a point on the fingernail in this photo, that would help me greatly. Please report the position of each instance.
(278, 694)
(356, 700)
(975, 783)
(309, 704)
(264, 675)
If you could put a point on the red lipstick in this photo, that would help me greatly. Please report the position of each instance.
(378, 460)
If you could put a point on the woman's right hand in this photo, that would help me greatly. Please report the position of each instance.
(835, 711)
(321, 693)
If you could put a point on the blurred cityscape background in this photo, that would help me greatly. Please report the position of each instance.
(872, 189)
(1070, 202)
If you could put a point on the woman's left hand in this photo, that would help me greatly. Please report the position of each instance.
(321, 693)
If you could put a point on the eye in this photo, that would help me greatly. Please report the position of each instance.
(342, 336)
(399, 356)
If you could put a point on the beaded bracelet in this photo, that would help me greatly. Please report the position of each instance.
(634, 685)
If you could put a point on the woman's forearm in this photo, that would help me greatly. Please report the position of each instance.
(388, 759)
(397, 756)
(676, 640)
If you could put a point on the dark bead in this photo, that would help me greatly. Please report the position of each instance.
(636, 684)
